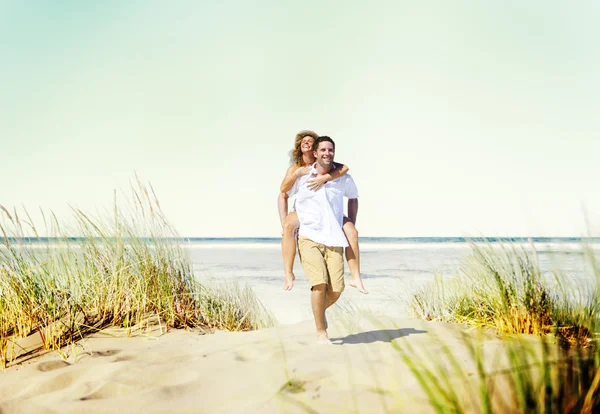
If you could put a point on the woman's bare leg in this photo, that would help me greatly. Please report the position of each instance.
(353, 255)
(288, 248)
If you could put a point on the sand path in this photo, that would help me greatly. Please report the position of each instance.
(187, 371)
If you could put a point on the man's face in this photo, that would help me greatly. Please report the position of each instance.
(325, 153)
(307, 144)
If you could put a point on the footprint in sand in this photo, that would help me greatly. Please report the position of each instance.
(123, 358)
(240, 358)
(109, 390)
(52, 365)
(108, 352)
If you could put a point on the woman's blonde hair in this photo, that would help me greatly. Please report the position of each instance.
(296, 153)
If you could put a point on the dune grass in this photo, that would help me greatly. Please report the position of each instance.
(119, 271)
(503, 287)
(523, 375)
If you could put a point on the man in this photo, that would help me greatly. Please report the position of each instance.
(321, 239)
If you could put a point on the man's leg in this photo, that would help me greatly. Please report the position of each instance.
(331, 297)
(318, 302)
(335, 270)
(313, 262)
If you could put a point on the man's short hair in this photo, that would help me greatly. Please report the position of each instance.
(321, 139)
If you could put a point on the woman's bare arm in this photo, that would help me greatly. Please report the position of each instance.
(338, 171)
(291, 175)
(316, 182)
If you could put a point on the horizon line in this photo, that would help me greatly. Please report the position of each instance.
(249, 238)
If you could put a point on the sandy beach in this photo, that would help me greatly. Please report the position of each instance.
(154, 153)
(272, 370)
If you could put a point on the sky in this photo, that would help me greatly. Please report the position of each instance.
(459, 118)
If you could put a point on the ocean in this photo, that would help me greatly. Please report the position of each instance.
(392, 269)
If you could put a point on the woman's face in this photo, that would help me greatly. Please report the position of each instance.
(306, 145)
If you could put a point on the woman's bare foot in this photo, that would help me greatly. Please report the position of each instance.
(358, 284)
(289, 281)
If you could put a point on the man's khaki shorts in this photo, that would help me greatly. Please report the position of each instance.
(322, 264)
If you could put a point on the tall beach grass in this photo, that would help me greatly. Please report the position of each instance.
(502, 286)
(121, 269)
(552, 369)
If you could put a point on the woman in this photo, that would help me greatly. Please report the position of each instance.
(302, 158)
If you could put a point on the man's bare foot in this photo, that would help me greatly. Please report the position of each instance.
(358, 284)
(323, 339)
(289, 281)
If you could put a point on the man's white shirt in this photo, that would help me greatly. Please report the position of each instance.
(321, 212)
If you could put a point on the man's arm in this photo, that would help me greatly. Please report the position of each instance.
(351, 192)
(353, 209)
